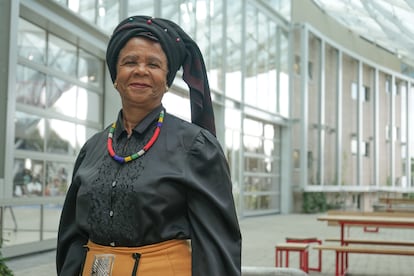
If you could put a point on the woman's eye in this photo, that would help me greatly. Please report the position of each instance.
(153, 65)
(129, 63)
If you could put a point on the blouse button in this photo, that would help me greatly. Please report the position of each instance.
(111, 213)
(112, 244)
(114, 183)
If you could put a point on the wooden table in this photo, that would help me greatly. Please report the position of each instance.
(367, 220)
(363, 220)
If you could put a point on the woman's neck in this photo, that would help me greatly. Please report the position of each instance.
(132, 118)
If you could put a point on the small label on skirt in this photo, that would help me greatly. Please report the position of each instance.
(102, 265)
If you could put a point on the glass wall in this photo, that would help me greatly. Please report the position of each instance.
(60, 91)
(347, 118)
(353, 130)
(58, 106)
(331, 61)
(261, 171)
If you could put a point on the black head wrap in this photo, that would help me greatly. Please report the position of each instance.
(180, 50)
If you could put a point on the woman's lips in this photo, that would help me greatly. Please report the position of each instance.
(139, 85)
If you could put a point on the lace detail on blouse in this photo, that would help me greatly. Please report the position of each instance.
(113, 194)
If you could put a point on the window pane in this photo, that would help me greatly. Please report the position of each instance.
(90, 68)
(88, 105)
(30, 87)
(86, 9)
(83, 133)
(61, 96)
(108, 14)
(21, 224)
(29, 132)
(57, 175)
(28, 177)
(62, 55)
(61, 137)
(31, 42)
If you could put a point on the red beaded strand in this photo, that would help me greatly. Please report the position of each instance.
(142, 151)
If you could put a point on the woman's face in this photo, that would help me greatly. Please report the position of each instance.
(141, 73)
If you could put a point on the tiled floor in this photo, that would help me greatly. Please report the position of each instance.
(260, 235)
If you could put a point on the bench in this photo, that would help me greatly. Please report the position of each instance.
(287, 247)
(394, 200)
(309, 240)
(372, 242)
(341, 260)
(392, 204)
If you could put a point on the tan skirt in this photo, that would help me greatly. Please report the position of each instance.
(169, 258)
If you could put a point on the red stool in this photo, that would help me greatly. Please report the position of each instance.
(308, 241)
(302, 248)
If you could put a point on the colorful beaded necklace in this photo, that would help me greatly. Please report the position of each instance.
(142, 151)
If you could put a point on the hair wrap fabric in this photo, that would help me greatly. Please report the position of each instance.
(181, 51)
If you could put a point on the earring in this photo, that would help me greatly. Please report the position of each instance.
(166, 88)
(115, 85)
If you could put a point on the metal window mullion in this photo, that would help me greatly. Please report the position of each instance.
(359, 124)
(410, 90)
(408, 131)
(11, 9)
(376, 96)
(322, 130)
(304, 106)
(278, 66)
(339, 145)
(242, 107)
(392, 126)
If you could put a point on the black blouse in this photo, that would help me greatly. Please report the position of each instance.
(179, 189)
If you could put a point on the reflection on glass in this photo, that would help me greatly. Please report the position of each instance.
(21, 224)
(89, 68)
(30, 87)
(57, 175)
(61, 96)
(261, 202)
(258, 164)
(61, 137)
(31, 42)
(29, 132)
(179, 106)
(108, 14)
(51, 215)
(88, 105)
(28, 179)
(61, 55)
(86, 9)
(83, 133)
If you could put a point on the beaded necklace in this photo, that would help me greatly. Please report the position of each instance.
(139, 153)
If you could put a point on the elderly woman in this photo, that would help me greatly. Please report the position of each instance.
(151, 194)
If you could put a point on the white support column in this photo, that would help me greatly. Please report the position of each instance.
(9, 15)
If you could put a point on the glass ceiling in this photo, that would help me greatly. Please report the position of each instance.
(387, 23)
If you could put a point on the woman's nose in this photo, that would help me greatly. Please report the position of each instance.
(141, 68)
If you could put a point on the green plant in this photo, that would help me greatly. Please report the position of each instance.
(4, 269)
(314, 202)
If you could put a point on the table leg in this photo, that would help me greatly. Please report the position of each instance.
(287, 258)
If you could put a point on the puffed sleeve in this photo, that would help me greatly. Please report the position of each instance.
(215, 232)
(70, 252)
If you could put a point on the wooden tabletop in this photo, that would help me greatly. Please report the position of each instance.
(369, 220)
